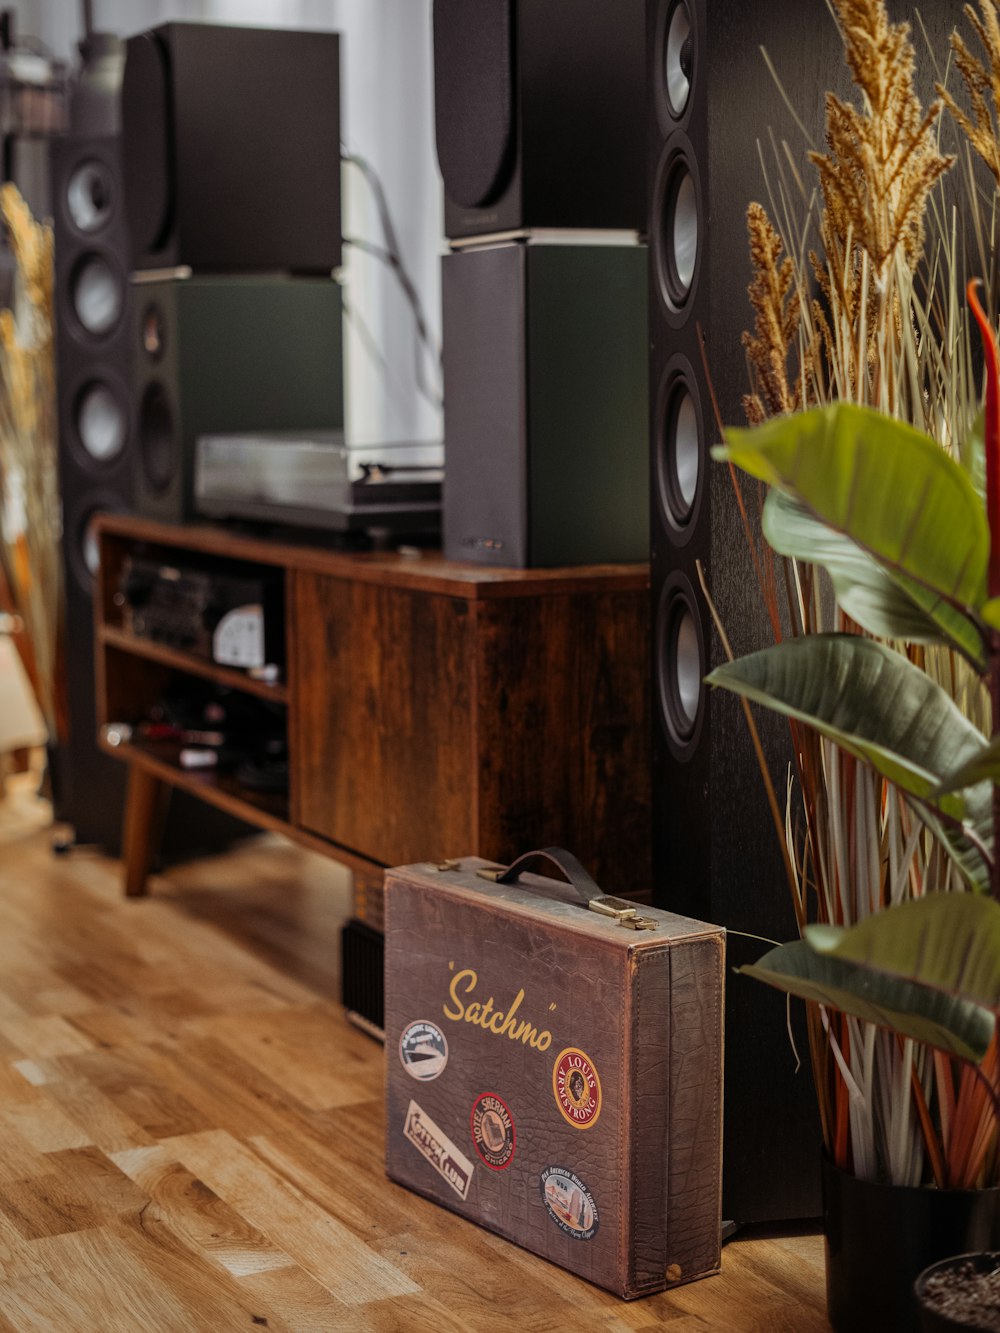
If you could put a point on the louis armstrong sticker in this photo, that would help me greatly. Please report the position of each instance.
(577, 1088)
(423, 1049)
(568, 1202)
(493, 1130)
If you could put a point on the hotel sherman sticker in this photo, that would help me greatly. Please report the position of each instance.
(493, 1130)
(432, 1143)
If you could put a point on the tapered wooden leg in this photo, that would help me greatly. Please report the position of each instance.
(145, 809)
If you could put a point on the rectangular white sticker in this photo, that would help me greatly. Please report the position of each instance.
(439, 1150)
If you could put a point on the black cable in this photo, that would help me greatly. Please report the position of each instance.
(391, 256)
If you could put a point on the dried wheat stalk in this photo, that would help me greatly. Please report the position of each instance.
(982, 83)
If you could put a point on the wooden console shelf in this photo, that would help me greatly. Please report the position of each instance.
(433, 709)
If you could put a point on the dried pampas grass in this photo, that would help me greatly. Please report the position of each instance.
(30, 567)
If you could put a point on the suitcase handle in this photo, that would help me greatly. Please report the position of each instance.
(573, 872)
(591, 894)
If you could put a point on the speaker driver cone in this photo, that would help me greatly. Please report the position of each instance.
(101, 425)
(678, 446)
(678, 59)
(97, 294)
(675, 226)
(156, 437)
(90, 196)
(82, 549)
(681, 237)
(154, 331)
(680, 650)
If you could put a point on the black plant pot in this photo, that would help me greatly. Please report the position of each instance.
(880, 1237)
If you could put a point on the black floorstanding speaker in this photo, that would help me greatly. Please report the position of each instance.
(545, 404)
(715, 849)
(96, 458)
(716, 854)
(98, 471)
(539, 114)
(231, 147)
(216, 354)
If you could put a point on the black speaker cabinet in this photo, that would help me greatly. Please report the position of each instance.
(539, 114)
(546, 455)
(232, 148)
(716, 853)
(715, 848)
(227, 354)
(95, 445)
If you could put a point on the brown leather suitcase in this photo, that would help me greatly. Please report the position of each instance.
(554, 1067)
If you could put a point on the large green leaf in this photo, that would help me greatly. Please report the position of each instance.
(950, 941)
(879, 707)
(982, 767)
(887, 486)
(929, 1016)
(883, 603)
(972, 454)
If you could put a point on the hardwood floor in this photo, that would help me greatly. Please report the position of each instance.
(191, 1133)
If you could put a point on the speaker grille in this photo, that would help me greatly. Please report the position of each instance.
(474, 105)
(149, 147)
(362, 961)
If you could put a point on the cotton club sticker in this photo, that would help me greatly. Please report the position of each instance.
(577, 1088)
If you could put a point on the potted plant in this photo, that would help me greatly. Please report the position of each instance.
(960, 1293)
(924, 968)
(865, 433)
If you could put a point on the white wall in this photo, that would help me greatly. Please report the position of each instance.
(387, 118)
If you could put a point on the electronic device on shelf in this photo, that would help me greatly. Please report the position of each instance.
(202, 726)
(233, 618)
(315, 480)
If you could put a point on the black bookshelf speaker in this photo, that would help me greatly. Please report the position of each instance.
(545, 404)
(232, 148)
(215, 354)
(539, 114)
(91, 300)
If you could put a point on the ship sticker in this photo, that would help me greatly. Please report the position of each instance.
(568, 1202)
(493, 1130)
(432, 1143)
(577, 1088)
(423, 1050)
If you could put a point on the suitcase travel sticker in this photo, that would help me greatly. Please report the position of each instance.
(533, 1117)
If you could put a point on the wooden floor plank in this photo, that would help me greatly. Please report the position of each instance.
(191, 1134)
(114, 1288)
(327, 1250)
(198, 1217)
